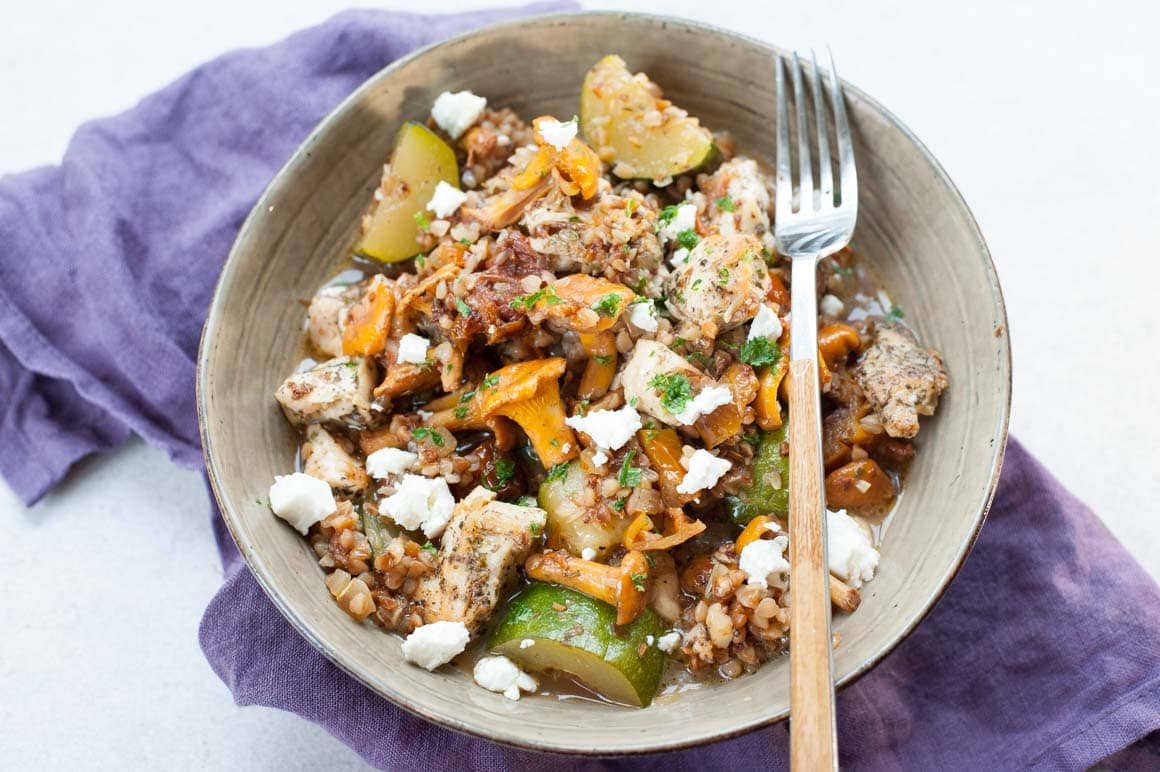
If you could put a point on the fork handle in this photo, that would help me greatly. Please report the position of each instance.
(813, 729)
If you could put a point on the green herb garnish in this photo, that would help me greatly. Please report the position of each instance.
(666, 215)
(674, 390)
(557, 472)
(895, 315)
(725, 204)
(602, 360)
(422, 221)
(760, 352)
(609, 305)
(638, 581)
(463, 308)
(629, 476)
(431, 435)
(429, 547)
(688, 239)
(490, 381)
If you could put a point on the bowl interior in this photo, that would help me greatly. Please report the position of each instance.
(913, 228)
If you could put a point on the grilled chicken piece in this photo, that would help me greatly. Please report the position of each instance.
(328, 460)
(336, 391)
(721, 285)
(900, 379)
(483, 545)
(324, 318)
(745, 191)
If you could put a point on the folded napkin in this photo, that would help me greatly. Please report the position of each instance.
(1043, 653)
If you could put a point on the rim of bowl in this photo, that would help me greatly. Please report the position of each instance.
(256, 565)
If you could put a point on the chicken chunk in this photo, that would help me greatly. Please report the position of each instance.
(900, 379)
(744, 190)
(325, 457)
(482, 547)
(336, 391)
(658, 378)
(721, 285)
(324, 318)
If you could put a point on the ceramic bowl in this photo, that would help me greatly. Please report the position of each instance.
(913, 228)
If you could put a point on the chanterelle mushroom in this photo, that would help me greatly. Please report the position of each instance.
(625, 586)
(529, 394)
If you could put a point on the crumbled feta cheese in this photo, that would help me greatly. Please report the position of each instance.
(445, 200)
(456, 112)
(599, 458)
(588, 553)
(679, 256)
(831, 305)
(301, 500)
(853, 558)
(609, 429)
(557, 134)
(765, 324)
(668, 641)
(706, 401)
(649, 640)
(413, 348)
(685, 219)
(435, 644)
(763, 560)
(705, 470)
(420, 502)
(500, 674)
(643, 316)
(527, 643)
(388, 461)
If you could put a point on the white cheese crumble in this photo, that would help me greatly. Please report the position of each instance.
(609, 429)
(421, 502)
(685, 219)
(831, 305)
(388, 461)
(445, 200)
(706, 401)
(413, 348)
(588, 553)
(456, 112)
(435, 644)
(705, 470)
(557, 134)
(648, 639)
(599, 458)
(668, 641)
(852, 556)
(643, 316)
(679, 256)
(301, 500)
(500, 674)
(765, 324)
(763, 560)
(527, 643)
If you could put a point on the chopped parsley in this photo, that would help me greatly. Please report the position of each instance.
(422, 221)
(463, 308)
(620, 503)
(529, 301)
(667, 214)
(651, 561)
(630, 207)
(490, 381)
(725, 204)
(629, 476)
(752, 439)
(609, 305)
(527, 501)
(461, 412)
(557, 472)
(602, 360)
(420, 261)
(688, 239)
(634, 402)
(895, 315)
(465, 242)
(696, 284)
(674, 390)
(432, 435)
(505, 470)
(429, 547)
(535, 528)
(638, 581)
(760, 352)
(723, 275)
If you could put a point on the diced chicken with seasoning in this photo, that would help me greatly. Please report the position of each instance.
(326, 458)
(901, 379)
(336, 391)
(721, 286)
(554, 417)
(483, 546)
(324, 318)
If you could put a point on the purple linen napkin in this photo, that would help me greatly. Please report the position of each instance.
(1043, 653)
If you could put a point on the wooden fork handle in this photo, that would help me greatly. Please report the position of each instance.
(812, 727)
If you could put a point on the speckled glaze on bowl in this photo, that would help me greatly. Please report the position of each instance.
(913, 227)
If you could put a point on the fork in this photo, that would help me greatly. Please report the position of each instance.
(820, 226)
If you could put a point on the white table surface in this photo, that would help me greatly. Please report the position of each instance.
(1038, 110)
